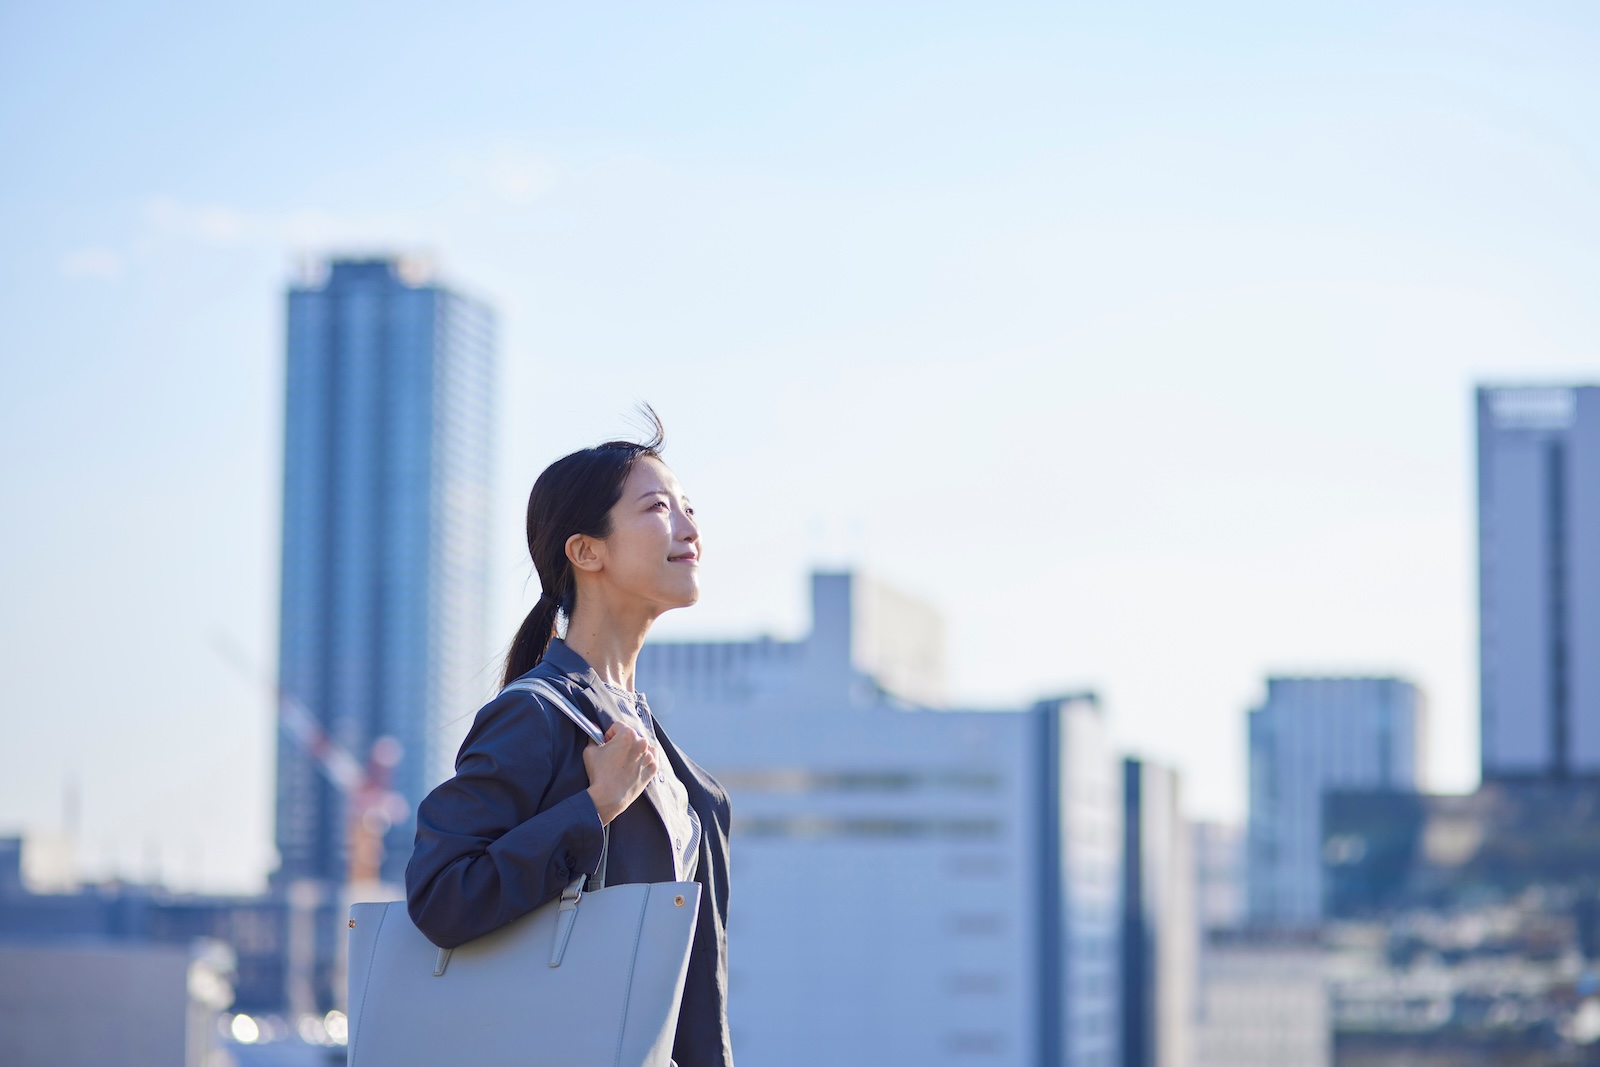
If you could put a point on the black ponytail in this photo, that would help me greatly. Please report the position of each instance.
(574, 495)
(533, 637)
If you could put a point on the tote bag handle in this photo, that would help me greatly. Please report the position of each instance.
(543, 688)
(579, 886)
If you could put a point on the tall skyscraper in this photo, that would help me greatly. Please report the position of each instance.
(911, 883)
(385, 538)
(1313, 735)
(1539, 580)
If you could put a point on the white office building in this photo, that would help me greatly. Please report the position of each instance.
(1312, 735)
(910, 883)
(1539, 580)
(1160, 933)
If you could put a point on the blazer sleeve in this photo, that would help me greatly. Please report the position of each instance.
(496, 841)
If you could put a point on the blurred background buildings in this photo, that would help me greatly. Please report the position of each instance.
(1006, 887)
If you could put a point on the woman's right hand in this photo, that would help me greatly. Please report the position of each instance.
(618, 770)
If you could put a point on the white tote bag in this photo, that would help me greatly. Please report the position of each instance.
(593, 979)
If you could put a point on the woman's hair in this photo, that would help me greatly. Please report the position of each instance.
(574, 495)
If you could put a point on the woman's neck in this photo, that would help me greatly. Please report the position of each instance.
(607, 639)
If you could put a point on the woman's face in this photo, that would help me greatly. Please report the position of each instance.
(653, 551)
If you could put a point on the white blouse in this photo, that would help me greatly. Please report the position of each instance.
(683, 822)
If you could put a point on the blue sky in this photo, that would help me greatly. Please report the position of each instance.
(1139, 341)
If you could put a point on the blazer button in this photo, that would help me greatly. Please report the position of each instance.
(562, 872)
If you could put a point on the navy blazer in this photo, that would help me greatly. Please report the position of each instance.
(516, 825)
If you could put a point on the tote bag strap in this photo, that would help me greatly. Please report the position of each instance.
(540, 687)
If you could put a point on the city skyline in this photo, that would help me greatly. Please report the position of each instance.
(1141, 344)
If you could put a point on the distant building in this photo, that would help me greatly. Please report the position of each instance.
(1219, 864)
(88, 1004)
(912, 884)
(1465, 929)
(116, 913)
(1263, 1003)
(1539, 579)
(1312, 735)
(1159, 927)
(1080, 882)
(1531, 844)
(385, 538)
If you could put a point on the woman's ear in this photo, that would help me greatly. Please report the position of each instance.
(584, 553)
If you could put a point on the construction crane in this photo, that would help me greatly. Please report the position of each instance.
(372, 805)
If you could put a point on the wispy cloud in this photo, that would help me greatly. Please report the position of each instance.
(515, 177)
(101, 263)
(209, 223)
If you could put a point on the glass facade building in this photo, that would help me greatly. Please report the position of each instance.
(1313, 735)
(385, 539)
(1539, 580)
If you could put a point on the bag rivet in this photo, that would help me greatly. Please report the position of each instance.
(677, 902)
(352, 924)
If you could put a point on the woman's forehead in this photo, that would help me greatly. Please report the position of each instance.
(650, 474)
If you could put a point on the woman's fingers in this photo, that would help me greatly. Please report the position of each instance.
(619, 770)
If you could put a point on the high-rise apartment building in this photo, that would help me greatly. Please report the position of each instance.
(911, 883)
(1160, 930)
(385, 538)
(1539, 580)
(1310, 736)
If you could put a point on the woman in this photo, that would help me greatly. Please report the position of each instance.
(615, 545)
